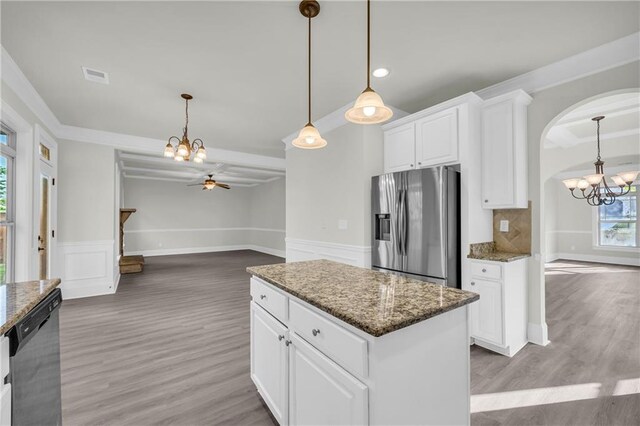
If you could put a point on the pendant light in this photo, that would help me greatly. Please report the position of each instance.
(309, 137)
(368, 108)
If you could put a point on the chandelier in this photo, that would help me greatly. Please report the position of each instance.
(184, 149)
(600, 193)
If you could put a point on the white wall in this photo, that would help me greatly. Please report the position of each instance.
(329, 185)
(172, 218)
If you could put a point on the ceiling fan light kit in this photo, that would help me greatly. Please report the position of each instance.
(184, 149)
(600, 193)
(210, 183)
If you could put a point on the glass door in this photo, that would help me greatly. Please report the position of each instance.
(43, 235)
(47, 209)
(7, 220)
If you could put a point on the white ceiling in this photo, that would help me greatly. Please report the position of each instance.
(621, 122)
(244, 62)
(143, 166)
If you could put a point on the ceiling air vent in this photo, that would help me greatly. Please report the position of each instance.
(96, 76)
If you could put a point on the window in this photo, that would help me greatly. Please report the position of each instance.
(7, 219)
(618, 223)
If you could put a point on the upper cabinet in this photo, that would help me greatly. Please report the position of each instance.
(504, 151)
(427, 138)
(399, 148)
(437, 138)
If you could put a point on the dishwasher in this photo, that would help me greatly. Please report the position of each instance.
(35, 365)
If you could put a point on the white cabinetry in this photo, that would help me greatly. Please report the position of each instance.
(269, 364)
(399, 149)
(437, 138)
(504, 151)
(499, 318)
(431, 137)
(321, 391)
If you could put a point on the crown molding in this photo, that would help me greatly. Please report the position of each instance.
(334, 120)
(13, 76)
(602, 58)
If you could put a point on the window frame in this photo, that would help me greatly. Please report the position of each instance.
(597, 232)
(9, 152)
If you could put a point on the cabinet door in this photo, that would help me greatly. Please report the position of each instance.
(399, 149)
(437, 138)
(321, 392)
(486, 313)
(498, 179)
(269, 361)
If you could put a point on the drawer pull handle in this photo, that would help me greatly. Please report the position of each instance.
(484, 270)
(263, 296)
(280, 337)
(288, 342)
(315, 331)
(473, 283)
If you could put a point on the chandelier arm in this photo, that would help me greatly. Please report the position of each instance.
(197, 143)
(174, 137)
(576, 197)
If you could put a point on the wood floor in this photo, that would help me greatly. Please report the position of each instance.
(172, 347)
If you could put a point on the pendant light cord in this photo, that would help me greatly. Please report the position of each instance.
(186, 116)
(368, 44)
(598, 139)
(309, 64)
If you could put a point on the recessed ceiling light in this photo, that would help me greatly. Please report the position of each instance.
(380, 72)
(95, 75)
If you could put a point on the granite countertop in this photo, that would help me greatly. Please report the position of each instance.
(487, 251)
(499, 256)
(16, 299)
(374, 302)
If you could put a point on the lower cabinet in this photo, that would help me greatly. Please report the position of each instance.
(498, 321)
(269, 361)
(301, 385)
(321, 392)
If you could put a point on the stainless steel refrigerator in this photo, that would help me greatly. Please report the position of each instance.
(416, 224)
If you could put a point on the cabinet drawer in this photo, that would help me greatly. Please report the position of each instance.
(274, 302)
(344, 347)
(486, 270)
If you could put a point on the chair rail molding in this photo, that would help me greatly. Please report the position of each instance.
(87, 268)
(298, 250)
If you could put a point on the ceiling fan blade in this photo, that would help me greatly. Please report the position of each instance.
(194, 184)
(204, 188)
(223, 185)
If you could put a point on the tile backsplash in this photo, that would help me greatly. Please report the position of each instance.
(518, 238)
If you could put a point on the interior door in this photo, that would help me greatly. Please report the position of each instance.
(321, 392)
(47, 209)
(269, 361)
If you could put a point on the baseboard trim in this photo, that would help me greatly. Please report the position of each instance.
(538, 334)
(615, 260)
(298, 250)
(212, 249)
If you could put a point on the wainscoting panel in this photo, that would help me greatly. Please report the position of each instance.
(87, 268)
(298, 250)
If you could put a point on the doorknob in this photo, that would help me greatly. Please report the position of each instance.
(41, 248)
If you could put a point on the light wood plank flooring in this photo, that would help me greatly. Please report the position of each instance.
(172, 347)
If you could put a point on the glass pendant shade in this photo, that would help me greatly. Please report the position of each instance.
(168, 151)
(209, 185)
(201, 153)
(197, 159)
(309, 138)
(183, 149)
(594, 179)
(628, 177)
(583, 184)
(571, 183)
(178, 157)
(368, 109)
(618, 181)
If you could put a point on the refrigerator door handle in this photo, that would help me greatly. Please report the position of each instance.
(402, 222)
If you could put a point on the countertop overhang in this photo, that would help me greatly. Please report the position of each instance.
(17, 299)
(375, 302)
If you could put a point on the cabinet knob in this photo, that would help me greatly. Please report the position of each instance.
(484, 269)
(419, 163)
(315, 331)
(287, 342)
(410, 165)
(486, 201)
(280, 337)
(473, 283)
(263, 296)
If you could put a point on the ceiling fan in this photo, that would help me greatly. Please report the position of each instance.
(209, 184)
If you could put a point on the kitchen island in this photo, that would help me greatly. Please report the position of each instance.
(337, 344)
